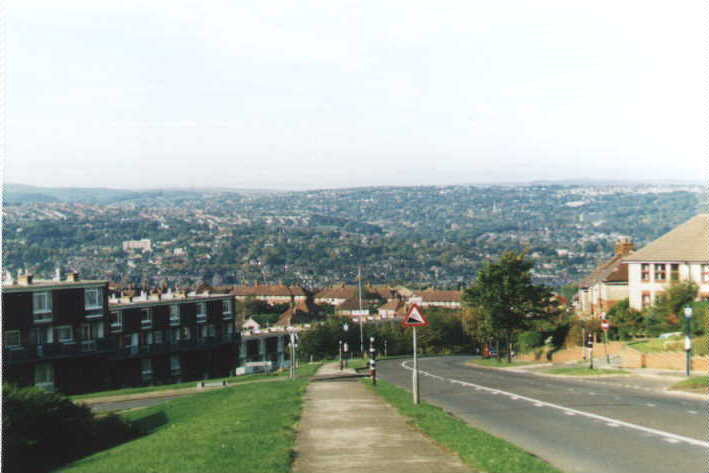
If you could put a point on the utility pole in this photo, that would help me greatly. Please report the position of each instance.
(361, 328)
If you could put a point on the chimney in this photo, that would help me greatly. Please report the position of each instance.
(58, 274)
(624, 246)
(25, 279)
(73, 276)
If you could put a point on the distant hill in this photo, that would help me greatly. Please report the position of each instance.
(26, 194)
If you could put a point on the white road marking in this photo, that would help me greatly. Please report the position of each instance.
(649, 404)
(693, 412)
(667, 436)
(611, 424)
(569, 413)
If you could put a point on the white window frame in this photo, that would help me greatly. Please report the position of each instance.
(7, 343)
(44, 313)
(226, 307)
(175, 363)
(117, 325)
(175, 314)
(201, 311)
(98, 291)
(46, 380)
(146, 322)
(58, 337)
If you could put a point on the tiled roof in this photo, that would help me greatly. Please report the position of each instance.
(394, 304)
(434, 295)
(337, 292)
(278, 290)
(687, 242)
(350, 304)
(614, 268)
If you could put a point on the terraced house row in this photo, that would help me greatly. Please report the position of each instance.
(68, 335)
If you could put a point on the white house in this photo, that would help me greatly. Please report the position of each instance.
(680, 255)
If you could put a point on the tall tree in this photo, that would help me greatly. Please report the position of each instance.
(508, 301)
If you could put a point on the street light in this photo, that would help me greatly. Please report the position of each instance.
(688, 338)
(372, 361)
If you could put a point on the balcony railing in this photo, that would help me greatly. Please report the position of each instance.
(107, 346)
(59, 350)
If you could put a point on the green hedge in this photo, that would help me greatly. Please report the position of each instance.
(42, 430)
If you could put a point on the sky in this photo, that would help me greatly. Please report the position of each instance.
(337, 93)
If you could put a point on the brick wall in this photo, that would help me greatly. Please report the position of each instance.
(663, 360)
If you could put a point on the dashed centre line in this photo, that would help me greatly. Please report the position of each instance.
(666, 436)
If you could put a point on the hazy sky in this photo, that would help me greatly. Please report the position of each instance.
(312, 94)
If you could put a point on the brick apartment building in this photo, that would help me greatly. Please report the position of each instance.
(67, 336)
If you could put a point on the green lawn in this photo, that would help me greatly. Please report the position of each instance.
(478, 449)
(503, 363)
(699, 345)
(582, 371)
(305, 369)
(249, 428)
(695, 383)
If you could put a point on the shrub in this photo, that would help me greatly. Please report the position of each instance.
(42, 430)
(529, 341)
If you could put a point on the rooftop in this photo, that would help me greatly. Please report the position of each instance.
(688, 242)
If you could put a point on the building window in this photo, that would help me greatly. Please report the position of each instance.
(42, 306)
(146, 318)
(41, 335)
(201, 311)
(175, 364)
(705, 273)
(674, 272)
(175, 335)
(11, 338)
(645, 300)
(226, 307)
(157, 336)
(174, 314)
(660, 272)
(44, 375)
(93, 298)
(116, 320)
(64, 334)
(645, 272)
(87, 332)
(185, 335)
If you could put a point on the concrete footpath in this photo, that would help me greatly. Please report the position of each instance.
(346, 427)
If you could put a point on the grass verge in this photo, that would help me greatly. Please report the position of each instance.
(582, 371)
(654, 345)
(492, 362)
(249, 429)
(306, 369)
(693, 384)
(478, 449)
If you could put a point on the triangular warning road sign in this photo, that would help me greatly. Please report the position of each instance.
(415, 317)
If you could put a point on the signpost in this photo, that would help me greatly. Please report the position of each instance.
(415, 318)
(605, 325)
(361, 314)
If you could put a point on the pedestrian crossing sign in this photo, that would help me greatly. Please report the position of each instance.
(415, 317)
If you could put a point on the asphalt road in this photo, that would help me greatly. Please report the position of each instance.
(577, 426)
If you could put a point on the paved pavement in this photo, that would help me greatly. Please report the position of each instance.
(577, 425)
(346, 428)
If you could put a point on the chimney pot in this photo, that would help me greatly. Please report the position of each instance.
(73, 276)
(25, 279)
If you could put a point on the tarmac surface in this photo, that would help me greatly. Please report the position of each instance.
(347, 428)
(621, 424)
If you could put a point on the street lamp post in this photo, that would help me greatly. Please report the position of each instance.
(688, 338)
(340, 355)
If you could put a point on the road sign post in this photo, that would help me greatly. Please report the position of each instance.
(413, 319)
(605, 325)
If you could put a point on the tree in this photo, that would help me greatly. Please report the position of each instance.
(625, 321)
(508, 301)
